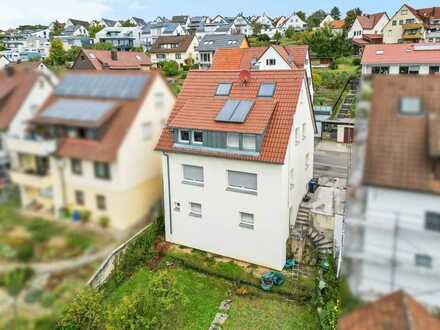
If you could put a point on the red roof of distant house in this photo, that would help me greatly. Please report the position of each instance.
(102, 59)
(338, 24)
(397, 311)
(241, 58)
(401, 54)
(197, 107)
(425, 14)
(368, 22)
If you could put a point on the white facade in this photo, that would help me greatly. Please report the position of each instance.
(396, 249)
(295, 22)
(357, 31)
(190, 53)
(326, 21)
(422, 69)
(280, 189)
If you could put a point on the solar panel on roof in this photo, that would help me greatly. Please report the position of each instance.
(235, 111)
(266, 90)
(241, 111)
(105, 86)
(78, 110)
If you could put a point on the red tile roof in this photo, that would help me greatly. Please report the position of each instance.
(14, 90)
(400, 149)
(400, 54)
(425, 14)
(102, 59)
(236, 59)
(368, 22)
(338, 24)
(397, 311)
(197, 107)
(106, 148)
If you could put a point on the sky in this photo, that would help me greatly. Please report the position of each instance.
(17, 12)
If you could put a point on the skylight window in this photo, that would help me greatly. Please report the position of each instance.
(379, 52)
(223, 89)
(410, 105)
(91, 55)
(266, 90)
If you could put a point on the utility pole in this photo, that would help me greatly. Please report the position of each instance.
(394, 253)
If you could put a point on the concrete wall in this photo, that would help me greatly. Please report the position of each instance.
(384, 208)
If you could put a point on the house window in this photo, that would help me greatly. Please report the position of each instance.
(423, 260)
(147, 131)
(184, 136)
(101, 203)
(403, 69)
(242, 181)
(79, 197)
(394, 23)
(246, 220)
(307, 161)
(381, 70)
(414, 69)
(232, 140)
(304, 131)
(249, 142)
(76, 166)
(102, 170)
(432, 221)
(178, 56)
(193, 174)
(410, 105)
(434, 69)
(195, 209)
(271, 62)
(197, 137)
(297, 138)
(223, 89)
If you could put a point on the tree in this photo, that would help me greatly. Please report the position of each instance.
(277, 36)
(84, 312)
(301, 15)
(350, 17)
(170, 68)
(127, 23)
(93, 29)
(57, 29)
(325, 43)
(335, 13)
(256, 28)
(2, 47)
(72, 53)
(57, 54)
(14, 283)
(316, 18)
(290, 31)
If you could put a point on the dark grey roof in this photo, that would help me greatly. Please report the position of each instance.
(182, 19)
(211, 42)
(109, 22)
(224, 28)
(139, 21)
(79, 22)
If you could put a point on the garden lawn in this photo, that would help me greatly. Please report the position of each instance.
(37, 239)
(205, 293)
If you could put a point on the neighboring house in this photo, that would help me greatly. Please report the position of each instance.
(75, 31)
(37, 66)
(295, 22)
(122, 38)
(175, 48)
(237, 154)
(394, 311)
(183, 20)
(270, 58)
(3, 62)
(90, 147)
(71, 41)
(393, 230)
(326, 21)
(138, 21)
(219, 19)
(278, 22)
(98, 60)
(265, 21)
(413, 25)
(337, 26)
(242, 25)
(227, 29)
(104, 22)
(368, 25)
(43, 33)
(395, 59)
(76, 22)
(211, 42)
(151, 32)
(195, 23)
(22, 92)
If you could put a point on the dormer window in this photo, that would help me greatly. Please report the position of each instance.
(410, 105)
(184, 136)
(223, 89)
(271, 62)
(197, 137)
(266, 90)
(232, 141)
(249, 142)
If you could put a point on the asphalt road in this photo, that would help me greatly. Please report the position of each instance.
(331, 164)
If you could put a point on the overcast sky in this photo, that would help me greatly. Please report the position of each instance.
(16, 12)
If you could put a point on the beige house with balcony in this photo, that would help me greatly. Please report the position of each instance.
(90, 148)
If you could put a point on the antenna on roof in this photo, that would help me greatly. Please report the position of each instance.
(245, 76)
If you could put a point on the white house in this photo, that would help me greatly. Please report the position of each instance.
(43, 33)
(368, 25)
(176, 48)
(151, 32)
(105, 22)
(265, 21)
(235, 173)
(122, 38)
(137, 21)
(393, 227)
(295, 22)
(326, 21)
(242, 25)
(401, 59)
(219, 19)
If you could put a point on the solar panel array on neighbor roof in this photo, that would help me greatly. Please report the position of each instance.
(78, 110)
(235, 111)
(102, 86)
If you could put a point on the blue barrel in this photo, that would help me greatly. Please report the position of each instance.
(76, 216)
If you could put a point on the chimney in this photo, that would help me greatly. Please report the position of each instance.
(114, 53)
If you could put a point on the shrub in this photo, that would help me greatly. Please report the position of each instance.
(25, 251)
(263, 38)
(104, 222)
(356, 61)
(170, 68)
(33, 296)
(85, 216)
(45, 322)
(84, 312)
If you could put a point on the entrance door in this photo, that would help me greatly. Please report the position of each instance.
(348, 134)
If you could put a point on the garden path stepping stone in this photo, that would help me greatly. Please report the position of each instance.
(225, 305)
(220, 318)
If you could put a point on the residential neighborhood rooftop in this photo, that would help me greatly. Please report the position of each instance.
(105, 59)
(418, 53)
(212, 42)
(172, 44)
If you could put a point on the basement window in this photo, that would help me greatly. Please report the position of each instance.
(410, 105)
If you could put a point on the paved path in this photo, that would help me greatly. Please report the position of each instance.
(331, 164)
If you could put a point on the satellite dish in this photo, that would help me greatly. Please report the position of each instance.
(245, 75)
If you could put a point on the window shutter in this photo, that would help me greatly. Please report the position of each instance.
(242, 180)
(193, 173)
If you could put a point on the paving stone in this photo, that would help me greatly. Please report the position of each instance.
(215, 327)
(220, 318)
(225, 305)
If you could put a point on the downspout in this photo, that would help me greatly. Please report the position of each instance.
(169, 191)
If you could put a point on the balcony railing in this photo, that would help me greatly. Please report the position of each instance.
(31, 146)
(412, 26)
(31, 178)
(412, 36)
